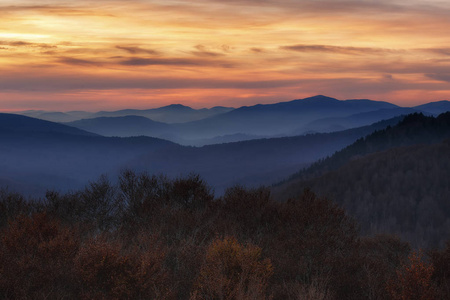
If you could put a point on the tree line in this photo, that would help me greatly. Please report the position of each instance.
(152, 237)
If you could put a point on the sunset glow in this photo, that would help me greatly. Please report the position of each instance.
(105, 55)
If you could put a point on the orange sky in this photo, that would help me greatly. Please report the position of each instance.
(105, 54)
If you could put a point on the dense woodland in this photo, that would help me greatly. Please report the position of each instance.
(412, 129)
(150, 237)
(387, 186)
(403, 190)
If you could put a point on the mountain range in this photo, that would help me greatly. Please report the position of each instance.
(187, 126)
(174, 113)
(47, 155)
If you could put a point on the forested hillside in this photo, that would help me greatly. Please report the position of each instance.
(150, 237)
(411, 130)
(403, 190)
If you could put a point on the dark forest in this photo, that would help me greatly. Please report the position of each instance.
(151, 237)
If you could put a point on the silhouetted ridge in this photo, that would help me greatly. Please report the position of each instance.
(437, 107)
(16, 123)
(123, 126)
(177, 107)
(413, 129)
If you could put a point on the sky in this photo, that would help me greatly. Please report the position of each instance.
(104, 55)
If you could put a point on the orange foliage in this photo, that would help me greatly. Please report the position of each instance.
(108, 271)
(441, 274)
(233, 271)
(160, 243)
(413, 280)
(35, 258)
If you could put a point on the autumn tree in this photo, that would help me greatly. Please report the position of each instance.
(233, 271)
(36, 256)
(413, 280)
(441, 270)
(106, 269)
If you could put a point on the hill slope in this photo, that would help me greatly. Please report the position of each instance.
(437, 107)
(36, 155)
(13, 123)
(276, 119)
(59, 160)
(254, 162)
(123, 126)
(413, 129)
(387, 186)
(402, 190)
(356, 120)
(174, 113)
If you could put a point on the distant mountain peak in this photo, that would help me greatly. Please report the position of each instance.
(314, 100)
(320, 98)
(177, 107)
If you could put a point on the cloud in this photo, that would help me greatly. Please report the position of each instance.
(257, 50)
(61, 10)
(79, 62)
(387, 65)
(26, 44)
(440, 77)
(64, 82)
(203, 52)
(300, 7)
(226, 48)
(140, 61)
(137, 50)
(337, 49)
(162, 61)
(175, 62)
(440, 51)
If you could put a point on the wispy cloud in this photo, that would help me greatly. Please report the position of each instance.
(204, 52)
(440, 51)
(257, 50)
(440, 76)
(61, 82)
(60, 9)
(79, 62)
(136, 61)
(26, 44)
(338, 49)
(137, 50)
